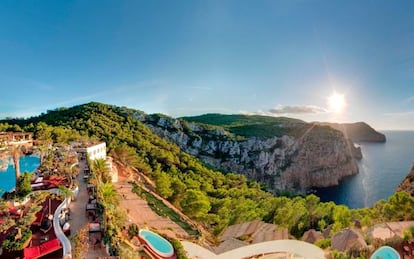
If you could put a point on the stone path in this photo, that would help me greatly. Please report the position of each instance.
(78, 218)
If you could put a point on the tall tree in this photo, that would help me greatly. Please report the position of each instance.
(125, 155)
(195, 204)
(16, 157)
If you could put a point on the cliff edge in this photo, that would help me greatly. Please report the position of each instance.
(281, 153)
(407, 184)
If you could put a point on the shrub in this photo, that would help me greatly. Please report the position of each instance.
(133, 230)
(11, 244)
(323, 243)
(179, 249)
(23, 185)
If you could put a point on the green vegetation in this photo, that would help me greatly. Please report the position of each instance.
(133, 230)
(108, 200)
(323, 243)
(12, 243)
(178, 248)
(80, 243)
(24, 186)
(213, 199)
(19, 234)
(252, 125)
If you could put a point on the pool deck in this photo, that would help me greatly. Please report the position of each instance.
(295, 247)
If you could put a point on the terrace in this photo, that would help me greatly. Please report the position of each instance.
(34, 220)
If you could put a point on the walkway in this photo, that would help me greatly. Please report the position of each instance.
(78, 219)
(298, 248)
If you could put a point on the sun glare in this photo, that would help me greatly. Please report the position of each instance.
(336, 103)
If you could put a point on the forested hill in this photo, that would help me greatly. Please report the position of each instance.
(358, 131)
(281, 153)
(252, 125)
(214, 199)
(266, 126)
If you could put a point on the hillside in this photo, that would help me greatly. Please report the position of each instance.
(252, 125)
(281, 153)
(203, 194)
(266, 126)
(213, 199)
(358, 131)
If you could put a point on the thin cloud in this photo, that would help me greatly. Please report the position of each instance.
(297, 109)
(200, 88)
(259, 112)
(399, 114)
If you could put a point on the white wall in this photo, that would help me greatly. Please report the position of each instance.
(97, 151)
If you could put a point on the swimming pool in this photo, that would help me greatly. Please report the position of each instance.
(7, 176)
(157, 244)
(385, 252)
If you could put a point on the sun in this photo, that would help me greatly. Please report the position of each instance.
(336, 103)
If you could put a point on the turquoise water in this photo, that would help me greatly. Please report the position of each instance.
(385, 252)
(157, 242)
(381, 170)
(7, 177)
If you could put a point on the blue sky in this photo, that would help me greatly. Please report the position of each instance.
(282, 58)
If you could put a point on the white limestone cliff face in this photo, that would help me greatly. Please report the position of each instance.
(319, 158)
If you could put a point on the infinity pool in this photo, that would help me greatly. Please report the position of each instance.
(157, 244)
(385, 252)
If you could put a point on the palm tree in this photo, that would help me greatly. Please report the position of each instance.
(107, 194)
(66, 192)
(16, 151)
(100, 171)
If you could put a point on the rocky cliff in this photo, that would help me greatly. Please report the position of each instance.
(311, 156)
(408, 183)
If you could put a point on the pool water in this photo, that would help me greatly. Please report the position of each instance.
(385, 252)
(7, 176)
(157, 243)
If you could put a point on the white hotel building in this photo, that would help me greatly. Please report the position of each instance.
(98, 151)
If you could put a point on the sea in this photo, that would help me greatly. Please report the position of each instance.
(7, 175)
(381, 170)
